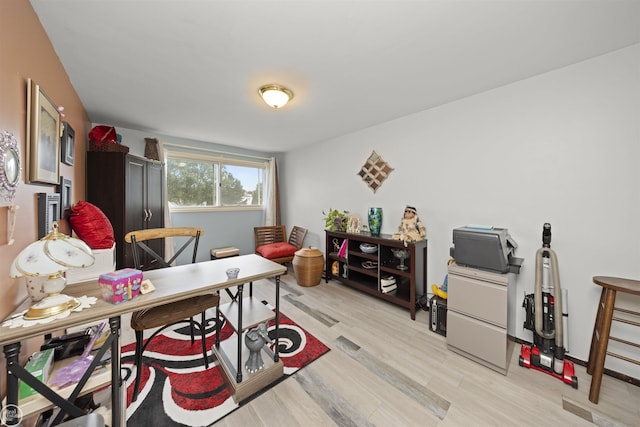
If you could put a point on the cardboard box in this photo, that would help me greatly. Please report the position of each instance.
(121, 285)
(39, 365)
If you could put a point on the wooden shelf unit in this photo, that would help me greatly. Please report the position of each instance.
(242, 317)
(411, 282)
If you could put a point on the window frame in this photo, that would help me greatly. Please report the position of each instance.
(221, 161)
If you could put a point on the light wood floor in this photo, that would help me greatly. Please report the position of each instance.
(386, 370)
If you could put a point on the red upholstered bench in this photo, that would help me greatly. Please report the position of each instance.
(271, 242)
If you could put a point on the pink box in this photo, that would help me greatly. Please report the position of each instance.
(121, 285)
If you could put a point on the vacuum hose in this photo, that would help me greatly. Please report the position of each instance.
(557, 309)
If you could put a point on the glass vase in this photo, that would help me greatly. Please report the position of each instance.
(375, 220)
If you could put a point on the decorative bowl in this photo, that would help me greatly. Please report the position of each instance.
(368, 248)
(232, 273)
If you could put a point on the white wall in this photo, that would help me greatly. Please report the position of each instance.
(562, 147)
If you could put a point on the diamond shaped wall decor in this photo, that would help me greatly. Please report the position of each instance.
(374, 171)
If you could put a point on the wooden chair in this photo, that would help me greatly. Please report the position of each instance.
(176, 312)
(271, 242)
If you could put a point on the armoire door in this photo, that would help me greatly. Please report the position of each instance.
(154, 175)
(155, 195)
(135, 216)
(107, 189)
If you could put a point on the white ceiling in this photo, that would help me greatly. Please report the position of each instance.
(192, 68)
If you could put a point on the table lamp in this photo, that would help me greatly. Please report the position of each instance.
(50, 257)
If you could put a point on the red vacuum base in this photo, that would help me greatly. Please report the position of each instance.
(568, 372)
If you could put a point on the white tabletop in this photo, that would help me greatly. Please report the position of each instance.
(172, 284)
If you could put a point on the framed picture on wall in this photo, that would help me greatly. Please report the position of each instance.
(67, 143)
(43, 137)
(65, 196)
(48, 212)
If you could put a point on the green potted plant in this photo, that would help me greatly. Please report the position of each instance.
(336, 220)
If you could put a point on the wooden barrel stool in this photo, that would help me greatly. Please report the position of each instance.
(602, 328)
(308, 265)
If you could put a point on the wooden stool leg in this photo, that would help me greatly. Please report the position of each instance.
(603, 342)
(597, 326)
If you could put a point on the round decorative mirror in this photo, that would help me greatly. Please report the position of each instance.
(9, 165)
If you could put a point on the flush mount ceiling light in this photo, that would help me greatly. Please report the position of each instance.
(275, 96)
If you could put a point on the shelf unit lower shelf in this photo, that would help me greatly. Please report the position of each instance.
(400, 297)
(36, 404)
(251, 382)
(254, 312)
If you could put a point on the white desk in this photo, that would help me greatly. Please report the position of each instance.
(172, 284)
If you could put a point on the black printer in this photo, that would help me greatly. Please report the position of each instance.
(485, 248)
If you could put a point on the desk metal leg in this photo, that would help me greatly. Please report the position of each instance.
(217, 342)
(117, 411)
(276, 357)
(239, 373)
(11, 353)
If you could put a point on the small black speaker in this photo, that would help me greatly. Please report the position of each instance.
(438, 315)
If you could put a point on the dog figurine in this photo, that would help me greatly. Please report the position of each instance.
(255, 339)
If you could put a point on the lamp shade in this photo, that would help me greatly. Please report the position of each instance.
(275, 96)
(51, 255)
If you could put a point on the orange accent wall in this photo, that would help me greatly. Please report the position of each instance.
(26, 52)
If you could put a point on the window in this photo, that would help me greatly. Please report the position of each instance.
(197, 181)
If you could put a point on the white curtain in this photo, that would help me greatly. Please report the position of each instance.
(270, 194)
(169, 250)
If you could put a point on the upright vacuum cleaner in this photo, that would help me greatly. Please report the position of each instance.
(544, 316)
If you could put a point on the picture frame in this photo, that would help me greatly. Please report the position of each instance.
(353, 225)
(43, 137)
(67, 143)
(65, 196)
(48, 212)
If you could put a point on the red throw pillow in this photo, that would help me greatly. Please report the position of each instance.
(276, 250)
(91, 225)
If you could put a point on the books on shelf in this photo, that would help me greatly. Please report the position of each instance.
(39, 365)
(342, 253)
